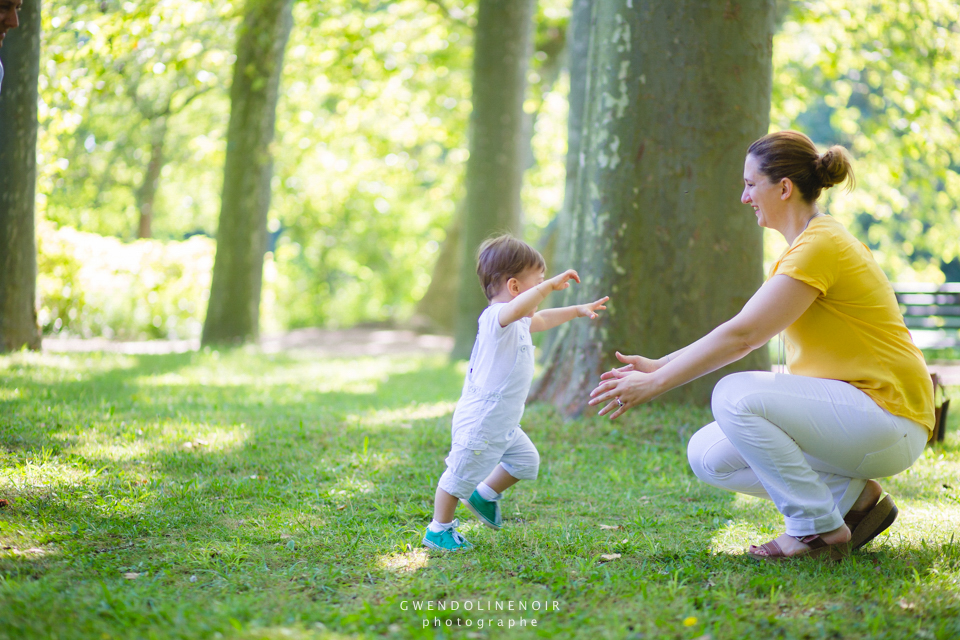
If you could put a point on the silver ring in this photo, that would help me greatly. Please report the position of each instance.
(619, 402)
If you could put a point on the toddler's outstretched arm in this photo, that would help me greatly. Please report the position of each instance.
(526, 303)
(550, 318)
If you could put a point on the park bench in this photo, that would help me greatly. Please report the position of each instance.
(931, 312)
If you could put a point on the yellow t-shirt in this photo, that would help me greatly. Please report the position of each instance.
(853, 331)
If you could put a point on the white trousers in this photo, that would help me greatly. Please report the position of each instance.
(469, 466)
(807, 444)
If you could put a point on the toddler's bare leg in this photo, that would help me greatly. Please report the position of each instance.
(444, 505)
(499, 480)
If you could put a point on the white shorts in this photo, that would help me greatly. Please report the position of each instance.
(468, 467)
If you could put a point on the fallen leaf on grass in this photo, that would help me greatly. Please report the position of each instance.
(341, 507)
(131, 576)
(609, 556)
(615, 527)
(23, 552)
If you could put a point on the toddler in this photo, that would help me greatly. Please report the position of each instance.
(490, 452)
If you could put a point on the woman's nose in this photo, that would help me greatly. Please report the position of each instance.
(745, 198)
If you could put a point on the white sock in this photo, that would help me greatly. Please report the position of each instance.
(487, 493)
(437, 527)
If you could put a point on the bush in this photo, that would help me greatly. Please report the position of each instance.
(91, 285)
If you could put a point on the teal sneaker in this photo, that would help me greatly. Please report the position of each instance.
(487, 510)
(446, 540)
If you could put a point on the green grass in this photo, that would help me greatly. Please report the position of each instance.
(238, 495)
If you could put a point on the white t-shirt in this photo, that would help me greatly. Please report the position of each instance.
(1, 75)
(497, 383)
(497, 347)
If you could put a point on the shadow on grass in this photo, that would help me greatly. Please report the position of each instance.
(311, 481)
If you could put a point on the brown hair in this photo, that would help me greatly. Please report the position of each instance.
(502, 258)
(790, 154)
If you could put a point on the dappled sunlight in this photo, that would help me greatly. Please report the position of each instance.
(753, 521)
(409, 562)
(352, 486)
(199, 440)
(10, 394)
(405, 416)
(362, 376)
(47, 367)
(43, 472)
(924, 521)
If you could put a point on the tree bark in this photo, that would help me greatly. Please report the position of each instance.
(18, 179)
(557, 248)
(676, 92)
(234, 308)
(147, 193)
(579, 47)
(502, 43)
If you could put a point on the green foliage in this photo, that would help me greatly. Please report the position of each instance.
(880, 77)
(372, 129)
(91, 285)
(372, 134)
(371, 139)
(119, 79)
(236, 495)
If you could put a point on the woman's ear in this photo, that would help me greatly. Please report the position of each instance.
(786, 188)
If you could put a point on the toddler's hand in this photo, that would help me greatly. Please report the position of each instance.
(590, 309)
(561, 281)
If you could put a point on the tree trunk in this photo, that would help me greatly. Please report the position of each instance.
(676, 92)
(502, 41)
(579, 48)
(234, 308)
(557, 247)
(18, 179)
(147, 193)
(437, 309)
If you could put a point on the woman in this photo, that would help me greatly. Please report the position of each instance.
(857, 403)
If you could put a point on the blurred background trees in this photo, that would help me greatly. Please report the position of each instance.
(372, 144)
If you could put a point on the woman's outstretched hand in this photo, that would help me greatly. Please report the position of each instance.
(634, 363)
(627, 386)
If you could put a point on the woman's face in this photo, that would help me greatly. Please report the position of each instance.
(761, 194)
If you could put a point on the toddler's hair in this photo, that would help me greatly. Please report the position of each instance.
(502, 258)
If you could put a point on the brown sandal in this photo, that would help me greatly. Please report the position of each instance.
(818, 548)
(868, 524)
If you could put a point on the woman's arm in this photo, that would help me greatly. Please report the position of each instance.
(774, 307)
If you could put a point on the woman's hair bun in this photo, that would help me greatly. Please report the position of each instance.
(791, 154)
(833, 166)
